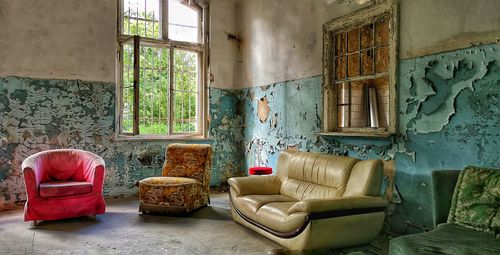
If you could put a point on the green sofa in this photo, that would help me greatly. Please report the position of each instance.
(453, 237)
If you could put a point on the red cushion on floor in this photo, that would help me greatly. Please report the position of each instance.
(260, 170)
(64, 188)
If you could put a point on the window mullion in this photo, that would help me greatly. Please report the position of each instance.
(137, 45)
(164, 18)
(171, 92)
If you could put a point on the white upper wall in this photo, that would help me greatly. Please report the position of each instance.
(282, 40)
(75, 39)
(59, 39)
(224, 53)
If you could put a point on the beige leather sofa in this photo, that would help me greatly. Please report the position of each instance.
(314, 201)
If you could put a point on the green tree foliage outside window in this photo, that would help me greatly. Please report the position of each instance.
(154, 87)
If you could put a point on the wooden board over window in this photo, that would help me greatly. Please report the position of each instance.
(360, 73)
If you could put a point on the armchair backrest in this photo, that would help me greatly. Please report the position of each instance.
(309, 175)
(189, 160)
(64, 164)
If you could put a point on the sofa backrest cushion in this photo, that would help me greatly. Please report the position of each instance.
(476, 200)
(308, 175)
(365, 179)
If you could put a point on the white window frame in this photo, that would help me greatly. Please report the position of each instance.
(201, 48)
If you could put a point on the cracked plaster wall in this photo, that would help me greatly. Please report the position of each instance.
(37, 115)
(449, 117)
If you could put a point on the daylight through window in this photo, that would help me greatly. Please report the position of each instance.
(162, 64)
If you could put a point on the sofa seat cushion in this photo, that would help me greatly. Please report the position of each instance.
(252, 203)
(446, 239)
(476, 200)
(270, 211)
(64, 188)
(275, 216)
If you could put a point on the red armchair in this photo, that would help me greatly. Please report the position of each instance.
(62, 184)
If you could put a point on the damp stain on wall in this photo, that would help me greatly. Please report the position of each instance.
(37, 115)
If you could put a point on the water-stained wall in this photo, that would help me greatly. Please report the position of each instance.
(38, 114)
(449, 117)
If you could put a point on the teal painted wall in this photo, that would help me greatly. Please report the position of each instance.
(449, 117)
(37, 115)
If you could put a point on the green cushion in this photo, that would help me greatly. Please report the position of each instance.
(476, 200)
(446, 239)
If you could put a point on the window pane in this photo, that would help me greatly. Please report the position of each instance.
(153, 91)
(128, 88)
(182, 22)
(186, 70)
(141, 17)
(185, 120)
(185, 91)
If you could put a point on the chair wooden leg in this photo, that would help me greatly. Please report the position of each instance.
(93, 217)
(35, 223)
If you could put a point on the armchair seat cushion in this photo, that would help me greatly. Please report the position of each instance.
(64, 188)
(174, 195)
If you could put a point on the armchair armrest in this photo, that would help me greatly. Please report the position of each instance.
(97, 169)
(347, 204)
(32, 176)
(255, 185)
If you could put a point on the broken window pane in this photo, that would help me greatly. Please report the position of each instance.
(367, 36)
(353, 40)
(382, 31)
(367, 62)
(382, 59)
(340, 44)
(353, 65)
(340, 68)
(183, 22)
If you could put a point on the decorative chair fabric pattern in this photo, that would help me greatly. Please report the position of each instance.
(62, 184)
(185, 184)
(476, 200)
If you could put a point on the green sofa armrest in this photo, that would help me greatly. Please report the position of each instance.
(443, 186)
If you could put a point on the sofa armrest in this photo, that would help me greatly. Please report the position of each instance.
(256, 185)
(350, 204)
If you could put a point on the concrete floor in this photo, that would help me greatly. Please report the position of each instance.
(123, 231)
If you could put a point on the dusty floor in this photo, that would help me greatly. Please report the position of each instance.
(123, 231)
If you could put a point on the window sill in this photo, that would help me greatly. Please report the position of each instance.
(371, 133)
(142, 138)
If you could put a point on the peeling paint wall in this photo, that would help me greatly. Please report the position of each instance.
(449, 118)
(37, 115)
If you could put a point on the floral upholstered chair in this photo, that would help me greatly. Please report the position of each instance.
(185, 184)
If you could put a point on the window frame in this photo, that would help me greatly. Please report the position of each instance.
(358, 19)
(201, 48)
